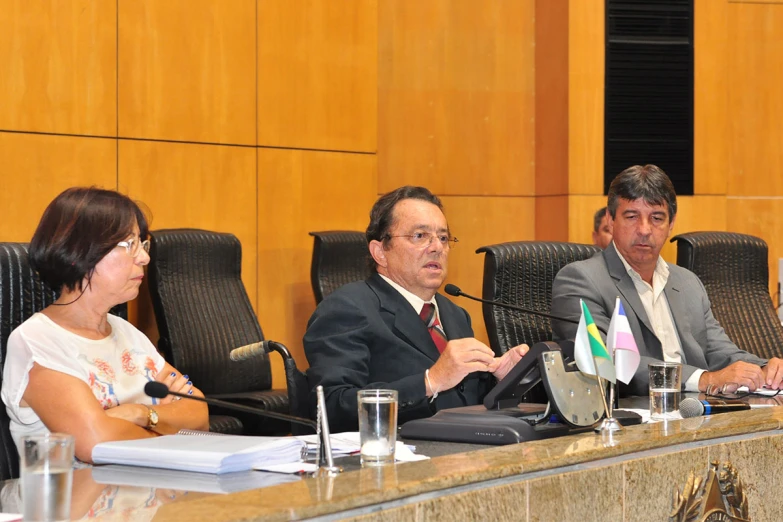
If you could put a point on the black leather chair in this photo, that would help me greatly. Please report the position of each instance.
(339, 257)
(734, 269)
(521, 273)
(203, 312)
(21, 295)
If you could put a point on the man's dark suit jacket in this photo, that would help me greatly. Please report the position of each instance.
(367, 335)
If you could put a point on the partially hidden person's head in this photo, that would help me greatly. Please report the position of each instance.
(643, 206)
(409, 240)
(92, 240)
(602, 228)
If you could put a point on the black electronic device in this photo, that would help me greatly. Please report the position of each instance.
(575, 405)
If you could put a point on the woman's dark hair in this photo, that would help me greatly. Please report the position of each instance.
(382, 213)
(77, 230)
(649, 183)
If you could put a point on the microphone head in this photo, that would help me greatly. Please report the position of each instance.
(157, 390)
(690, 407)
(453, 290)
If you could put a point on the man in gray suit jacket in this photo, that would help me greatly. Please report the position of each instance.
(378, 333)
(667, 306)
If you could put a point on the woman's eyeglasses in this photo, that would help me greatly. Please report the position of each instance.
(134, 246)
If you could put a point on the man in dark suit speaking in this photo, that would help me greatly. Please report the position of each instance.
(394, 330)
(667, 306)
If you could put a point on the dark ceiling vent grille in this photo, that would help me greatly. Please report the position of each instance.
(649, 88)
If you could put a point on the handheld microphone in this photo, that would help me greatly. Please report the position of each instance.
(455, 291)
(249, 351)
(690, 407)
(158, 390)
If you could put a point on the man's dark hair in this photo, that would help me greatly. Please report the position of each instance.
(382, 213)
(598, 217)
(649, 183)
(77, 230)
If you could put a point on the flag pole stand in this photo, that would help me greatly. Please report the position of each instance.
(609, 424)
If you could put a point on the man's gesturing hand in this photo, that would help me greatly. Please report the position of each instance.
(461, 357)
(773, 373)
(502, 365)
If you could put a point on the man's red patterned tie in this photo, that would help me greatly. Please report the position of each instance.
(430, 318)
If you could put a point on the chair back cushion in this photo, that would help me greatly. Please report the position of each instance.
(339, 257)
(521, 273)
(203, 310)
(22, 293)
(734, 269)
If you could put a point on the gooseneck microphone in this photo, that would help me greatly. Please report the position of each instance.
(455, 291)
(158, 390)
(690, 407)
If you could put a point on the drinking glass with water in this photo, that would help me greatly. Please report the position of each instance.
(377, 426)
(665, 389)
(46, 466)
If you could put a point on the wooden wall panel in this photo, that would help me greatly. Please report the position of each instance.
(586, 63)
(551, 117)
(300, 192)
(581, 210)
(756, 119)
(456, 101)
(59, 71)
(711, 111)
(187, 70)
(477, 222)
(193, 186)
(552, 215)
(762, 218)
(317, 74)
(36, 168)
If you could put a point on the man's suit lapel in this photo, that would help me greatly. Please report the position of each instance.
(406, 323)
(625, 285)
(680, 316)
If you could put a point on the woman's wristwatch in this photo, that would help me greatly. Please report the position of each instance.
(152, 417)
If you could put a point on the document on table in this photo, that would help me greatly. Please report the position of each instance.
(348, 443)
(201, 454)
(759, 391)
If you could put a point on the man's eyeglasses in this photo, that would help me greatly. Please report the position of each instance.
(424, 239)
(134, 246)
(731, 390)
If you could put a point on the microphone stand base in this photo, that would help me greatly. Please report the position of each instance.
(609, 425)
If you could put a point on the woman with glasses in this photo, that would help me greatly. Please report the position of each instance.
(74, 368)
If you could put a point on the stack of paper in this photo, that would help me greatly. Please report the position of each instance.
(187, 480)
(343, 444)
(348, 443)
(202, 454)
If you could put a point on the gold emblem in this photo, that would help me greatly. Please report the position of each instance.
(719, 498)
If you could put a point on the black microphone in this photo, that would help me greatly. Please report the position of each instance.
(690, 407)
(456, 292)
(159, 390)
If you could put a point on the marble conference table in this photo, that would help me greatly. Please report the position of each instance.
(630, 476)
